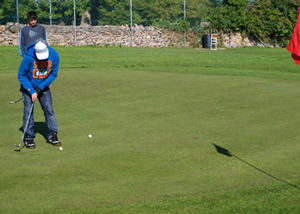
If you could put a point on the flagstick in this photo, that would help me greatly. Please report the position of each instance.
(229, 154)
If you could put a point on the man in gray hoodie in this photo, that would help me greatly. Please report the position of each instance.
(31, 32)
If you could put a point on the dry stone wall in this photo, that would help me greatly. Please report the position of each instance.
(98, 35)
(113, 36)
(236, 40)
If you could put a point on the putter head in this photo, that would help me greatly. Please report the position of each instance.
(17, 145)
(13, 102)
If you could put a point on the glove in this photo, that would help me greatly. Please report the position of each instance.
(38, 90)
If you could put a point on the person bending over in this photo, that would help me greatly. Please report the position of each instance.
(37, 71)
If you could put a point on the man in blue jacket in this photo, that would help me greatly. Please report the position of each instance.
(37, 71)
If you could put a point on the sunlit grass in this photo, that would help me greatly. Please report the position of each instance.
(154, 115)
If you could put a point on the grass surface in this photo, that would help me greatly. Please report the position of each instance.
(154, 115)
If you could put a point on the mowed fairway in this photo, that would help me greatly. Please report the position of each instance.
(154, 116)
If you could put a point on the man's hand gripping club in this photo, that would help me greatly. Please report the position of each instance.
(36, 94)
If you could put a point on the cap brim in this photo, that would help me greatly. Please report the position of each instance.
(42, 56)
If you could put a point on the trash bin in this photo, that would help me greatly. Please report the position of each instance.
(206, 41)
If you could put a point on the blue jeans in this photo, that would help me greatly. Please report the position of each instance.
(45, 100)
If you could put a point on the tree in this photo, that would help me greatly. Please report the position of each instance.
(113, 12)
(229, 17)
(63, 10)
(8, 12)
(163, 13)
(197, 11)
(95, 16)
(274, 19)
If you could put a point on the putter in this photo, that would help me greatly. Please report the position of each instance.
(26, 127)
(12, 102)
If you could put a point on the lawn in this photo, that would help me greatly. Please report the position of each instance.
(155, 116)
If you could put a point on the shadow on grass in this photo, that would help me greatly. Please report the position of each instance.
(226, 152)
(39, 127)
(19, 150)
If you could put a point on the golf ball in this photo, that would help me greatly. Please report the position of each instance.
(61, 148)
(90, 135)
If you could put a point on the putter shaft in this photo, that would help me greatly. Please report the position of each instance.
(26, 126)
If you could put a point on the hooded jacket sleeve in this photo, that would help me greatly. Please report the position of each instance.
(54, 69)
(23, 75)
(22, 43)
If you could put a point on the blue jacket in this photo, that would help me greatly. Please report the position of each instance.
(34, 72)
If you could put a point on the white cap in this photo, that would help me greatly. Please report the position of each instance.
(41, 50)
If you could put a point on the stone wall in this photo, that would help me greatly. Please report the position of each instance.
(110, 35)
(237, 40)
(114, 36)
(98, 35)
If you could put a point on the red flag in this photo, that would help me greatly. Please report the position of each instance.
(294, 45)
